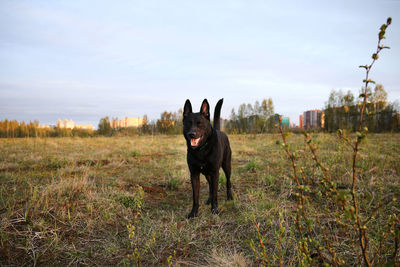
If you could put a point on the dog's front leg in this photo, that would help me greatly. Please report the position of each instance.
(214, 200)
(195, 179)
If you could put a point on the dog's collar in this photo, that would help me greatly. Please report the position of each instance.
(203, 146)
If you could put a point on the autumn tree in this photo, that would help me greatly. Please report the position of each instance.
(105, 127)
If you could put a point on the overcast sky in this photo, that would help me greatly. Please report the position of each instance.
(84, 60)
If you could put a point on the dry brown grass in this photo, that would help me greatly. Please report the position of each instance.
(68, 201)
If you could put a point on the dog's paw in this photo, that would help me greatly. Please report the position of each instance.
(215, 211)
(192, 214)
(229, 195)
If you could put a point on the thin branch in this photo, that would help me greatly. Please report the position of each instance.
(362, 234)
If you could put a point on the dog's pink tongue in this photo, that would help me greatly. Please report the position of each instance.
(194, 142)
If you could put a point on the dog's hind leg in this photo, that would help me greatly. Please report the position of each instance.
(208, 202)
(226, 166)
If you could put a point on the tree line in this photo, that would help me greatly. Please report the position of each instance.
(257, 118)
(168, 123)
(15, 129)
(342, 111)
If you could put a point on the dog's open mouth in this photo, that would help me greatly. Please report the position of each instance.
(195, 142)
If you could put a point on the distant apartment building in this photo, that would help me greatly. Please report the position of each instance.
(70, 124)
(286, 121)
(126, 122)
(84, 126)
(301, 121)
(312, 119)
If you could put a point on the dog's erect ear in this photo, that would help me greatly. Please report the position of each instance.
(187, 109)
(205, 109)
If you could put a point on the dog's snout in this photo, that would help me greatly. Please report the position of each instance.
(192, 135)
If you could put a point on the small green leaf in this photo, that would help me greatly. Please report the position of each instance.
(375, 55)
(285, 145)
(360, 136)
(389, 21)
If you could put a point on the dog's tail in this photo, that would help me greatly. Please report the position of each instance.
(217, 113)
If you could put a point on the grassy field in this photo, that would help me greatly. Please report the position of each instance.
(68, 201)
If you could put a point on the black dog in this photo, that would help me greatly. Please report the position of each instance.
(208, 150)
